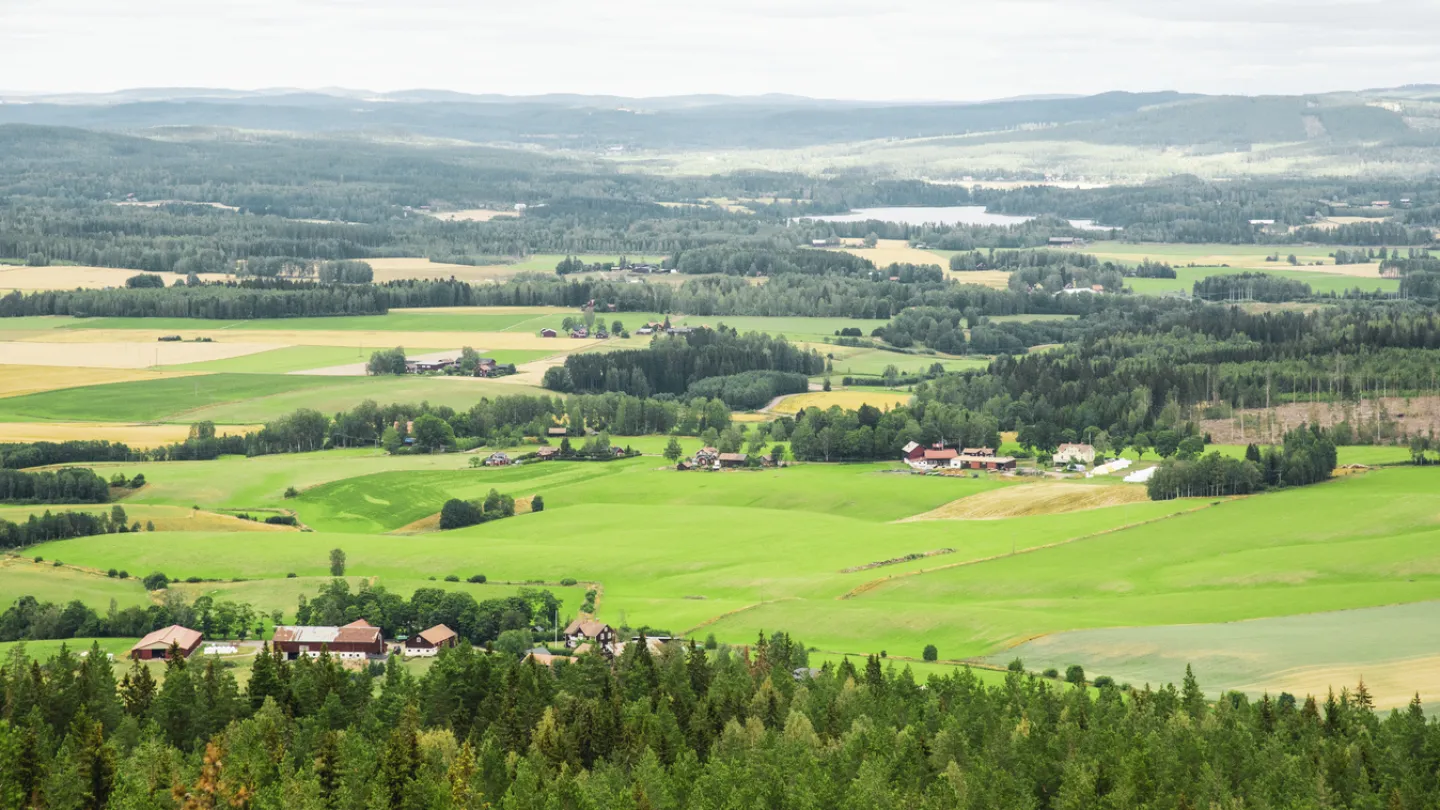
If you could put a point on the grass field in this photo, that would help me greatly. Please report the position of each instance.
(284, 594)
(48, 583)
(1238, 257)
(874, 361)
(117, 351)
(1321, 283)
(165, 518)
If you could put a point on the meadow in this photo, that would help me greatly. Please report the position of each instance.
(1321, 283)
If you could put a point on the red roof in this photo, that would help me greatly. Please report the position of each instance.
(940, 455)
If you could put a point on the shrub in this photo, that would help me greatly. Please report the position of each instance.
(156, 582)
(112, 573)
(138, 481)
(193, 580)
(1102, 681)
(452, 578)
(884, 654)
(290, 575)
(292, 492)
(537, 504)
(149, 525)
(123, 574)
(568, 581)
(1051, 673)
(39, 559)
(710, 642)
(57, 563)
(478, 579)
(1016, 666)
(930, 653)
(281, 520)
(1075, 674)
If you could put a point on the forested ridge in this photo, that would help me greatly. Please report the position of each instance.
(685, 727)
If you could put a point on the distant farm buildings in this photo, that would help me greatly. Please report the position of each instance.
(430, 642)
(1074, 454)
(938, 457)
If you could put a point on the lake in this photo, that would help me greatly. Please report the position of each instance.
(947, 215)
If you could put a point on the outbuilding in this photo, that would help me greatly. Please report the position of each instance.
(430, 642)
(160, 643)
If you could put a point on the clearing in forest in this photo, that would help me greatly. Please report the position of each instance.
(1034, 499)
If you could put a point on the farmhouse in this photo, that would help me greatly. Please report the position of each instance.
(430, 642)
(547, 453)
(732, 459)
(357, 640)
(544, 333)
(159, 643)
(977, 451)
(557, 430)
(938, 458)
(413, 366)
(1075, 454)
(990, 462)
(579, 332)
(497, 460)
(912, 452)
(590, 631)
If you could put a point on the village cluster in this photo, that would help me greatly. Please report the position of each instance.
(1071, 458)
(361, 641)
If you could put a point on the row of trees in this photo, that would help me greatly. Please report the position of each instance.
(68, 485)
(64, 525)
(1306, 457)
(457, 513)
(479, 622)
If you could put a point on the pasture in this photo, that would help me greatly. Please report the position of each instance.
(1321, 283)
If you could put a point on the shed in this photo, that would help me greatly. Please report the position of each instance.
(159, 643)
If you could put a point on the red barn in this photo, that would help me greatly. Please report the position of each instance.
(356, 640)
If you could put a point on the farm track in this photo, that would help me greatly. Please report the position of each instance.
(864, 588)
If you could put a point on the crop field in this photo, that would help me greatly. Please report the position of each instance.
(118, 353)
(1035, 499)
(852, 398)
(1238, 257)
(1320, 282)
(240, 399)
(16, 379)
(71, 277)
(894, 251)
(141, 436)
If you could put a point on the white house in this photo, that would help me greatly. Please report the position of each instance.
(1075, 454)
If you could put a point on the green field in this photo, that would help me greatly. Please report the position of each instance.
(874, 361)
(1320, 283)
(267, 595)
(239, 399)
(48, 583)
(288, 359)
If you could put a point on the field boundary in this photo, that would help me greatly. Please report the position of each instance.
(865, 587)
(737, 611)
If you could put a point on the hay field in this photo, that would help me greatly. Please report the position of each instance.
(142, 436)
(1237, 257)
(994, 279)
(106, 349)
(70, 278)
(17, 379)
(1035, 499)
(883, 400)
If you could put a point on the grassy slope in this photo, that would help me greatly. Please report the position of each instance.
(20, 577)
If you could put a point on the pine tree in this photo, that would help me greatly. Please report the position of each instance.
(1192, 699)
(328, 769)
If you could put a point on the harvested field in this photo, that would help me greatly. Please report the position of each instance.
(263, 339)
(1034, 499)
(401, 269)
(994, 279)
(119, 351)
(473, 215)
(17, 380)
(135, 435)
(70, 278)
(1417, 415)
(845, 399)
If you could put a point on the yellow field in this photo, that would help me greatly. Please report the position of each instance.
(1391, 683)
(473, 215)
(16, 379)
(845, 399)
(263, 339)
(890, 251)
(125, 349)
(70, 278)
(994, 279)
(135, 435)
(165, 518)
(420, 268)
(1034, 499)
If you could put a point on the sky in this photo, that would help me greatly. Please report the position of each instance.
(878, 49)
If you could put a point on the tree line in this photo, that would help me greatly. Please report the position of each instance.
(687, 727)
(68, 485)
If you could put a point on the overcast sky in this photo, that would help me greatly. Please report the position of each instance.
(877, 49)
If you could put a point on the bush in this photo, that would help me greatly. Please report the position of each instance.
(57, 563)
(193, 580)
(112, 573)
(568, 581)
(39, 559)
(149, 525)
(138, 481)
(123, 574)
(452, 578)
(290, 575)
(710, 642)
(1075, 674)
(478, 579)
(930, 653)
(292, 492)
(1103, 681)
(1051, 673)
(1016, 666)
(281, 520)
(156, 582)
(537, 504)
